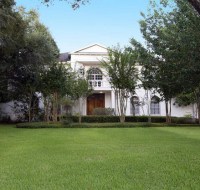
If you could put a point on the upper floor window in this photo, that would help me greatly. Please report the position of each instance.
(155, 105)
(135, 105)
(95, 77)
(81, 71)
(95, 74)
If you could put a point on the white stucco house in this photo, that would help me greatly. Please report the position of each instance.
(87, 61)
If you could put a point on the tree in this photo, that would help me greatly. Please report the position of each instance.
(12, 29)
(120, 67)
(80, 90)
(56, 83)
(37, 52)
(195, 4)
(75, 3)
(171, 32)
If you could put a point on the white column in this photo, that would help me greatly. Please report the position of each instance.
(113, 100)
(128, 106)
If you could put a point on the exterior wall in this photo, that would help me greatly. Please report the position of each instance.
(91, 56)
(6, 109)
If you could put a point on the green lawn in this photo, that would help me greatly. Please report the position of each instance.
(130, 158)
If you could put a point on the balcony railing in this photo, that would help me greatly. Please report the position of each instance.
(99, 83)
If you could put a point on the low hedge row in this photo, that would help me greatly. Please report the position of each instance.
(37, 125)
(107, 122)
(115, 119)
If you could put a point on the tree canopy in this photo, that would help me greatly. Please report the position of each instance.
(195, 4)
(122, 75)
(77, 3)
(171, 31)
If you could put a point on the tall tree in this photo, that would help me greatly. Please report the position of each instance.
(80, 91)
(171, 30)
(12, 33)
(37, 52)
(122, 75)
(195, 4)
(56, 83)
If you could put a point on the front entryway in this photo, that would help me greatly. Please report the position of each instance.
(95, 101)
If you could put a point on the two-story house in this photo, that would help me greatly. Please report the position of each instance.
(87, 61)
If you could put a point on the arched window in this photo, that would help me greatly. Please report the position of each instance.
(155, 105)
(95, 77)
(135, 105)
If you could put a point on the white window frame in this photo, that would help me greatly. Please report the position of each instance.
(155, 106)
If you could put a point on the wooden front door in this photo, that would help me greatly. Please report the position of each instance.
(95, 101)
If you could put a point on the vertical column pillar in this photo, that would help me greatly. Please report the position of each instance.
(113, 100)
(128, 107)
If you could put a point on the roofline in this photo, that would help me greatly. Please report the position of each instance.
(88, 47)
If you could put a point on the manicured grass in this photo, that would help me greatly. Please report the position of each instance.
(111, 158)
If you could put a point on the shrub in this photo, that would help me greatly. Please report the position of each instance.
(36, 125)
(184, 120)
(100, 119)
(111, 119)
(66, 120)
(103, 111)
(5, 119)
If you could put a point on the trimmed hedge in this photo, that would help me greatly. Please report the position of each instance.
(115, 119)
(100, 119)
(108, 121)
(37, 125)
(184, 120)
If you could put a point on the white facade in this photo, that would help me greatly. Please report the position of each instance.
(88, 59)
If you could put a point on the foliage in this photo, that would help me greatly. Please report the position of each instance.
(185, 99)
(195, 4)
(56, 83)
(172, 49)
(80, 91)
(74, 3)
(36, 125)
(140, 119)
(27, 49)
(12, 33)
(122, 75)
(103, 111)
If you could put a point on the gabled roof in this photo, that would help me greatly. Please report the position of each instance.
(95, 48)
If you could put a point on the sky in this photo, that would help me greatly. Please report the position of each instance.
(106, 22)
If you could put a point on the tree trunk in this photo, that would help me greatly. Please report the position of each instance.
(198, 107)
(148, 107)
(79, 115)
(167, 111)
(55, 106)
(122, 118)
(48, 110)
(29, 108)
(45, 108)
(170, 111)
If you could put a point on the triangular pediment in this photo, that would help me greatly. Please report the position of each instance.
(95, 48)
